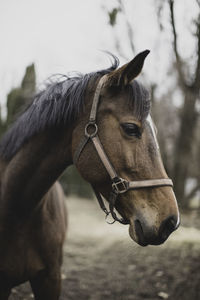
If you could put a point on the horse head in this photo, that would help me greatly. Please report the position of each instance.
(124, 151)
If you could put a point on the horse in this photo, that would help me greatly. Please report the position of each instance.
(101, 122)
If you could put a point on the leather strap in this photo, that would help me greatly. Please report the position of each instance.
(96, 98)
(99, 148)
(100, 200)
(149, 183)
(112, 201)
(119, 185)
(80, 148)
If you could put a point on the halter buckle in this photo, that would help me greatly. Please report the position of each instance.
(93, 128)
(120, 186)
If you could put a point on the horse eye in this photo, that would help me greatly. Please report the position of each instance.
(131, 129)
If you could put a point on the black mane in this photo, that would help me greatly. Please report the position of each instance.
(61, 103)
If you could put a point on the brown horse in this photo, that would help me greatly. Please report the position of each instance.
(117, 153)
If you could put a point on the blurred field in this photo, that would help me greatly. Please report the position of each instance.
(101, 261)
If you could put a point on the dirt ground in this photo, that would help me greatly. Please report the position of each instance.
(102, 262)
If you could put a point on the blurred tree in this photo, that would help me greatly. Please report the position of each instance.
(178, 142)
(113, 16)
(19, 97)
(2, 124)
(189, 84)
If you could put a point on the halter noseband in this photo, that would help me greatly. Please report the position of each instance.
(119, 185)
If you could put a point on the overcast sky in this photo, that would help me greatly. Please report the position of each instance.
(66, 35)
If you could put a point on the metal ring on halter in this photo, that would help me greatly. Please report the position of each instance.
(89, 126)
(106, 216)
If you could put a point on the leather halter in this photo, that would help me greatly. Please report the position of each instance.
(119, 185)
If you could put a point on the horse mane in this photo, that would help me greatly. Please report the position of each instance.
(60, 104)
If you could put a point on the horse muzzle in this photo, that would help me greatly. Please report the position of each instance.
(145, 234)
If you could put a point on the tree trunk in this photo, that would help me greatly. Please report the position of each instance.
(183, 146)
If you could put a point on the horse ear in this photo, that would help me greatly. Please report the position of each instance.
(129, 71)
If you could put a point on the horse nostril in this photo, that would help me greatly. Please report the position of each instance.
(138, 227)
(143, 239)
(139, 232)
(167, 227)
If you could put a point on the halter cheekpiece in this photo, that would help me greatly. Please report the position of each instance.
(119, 185)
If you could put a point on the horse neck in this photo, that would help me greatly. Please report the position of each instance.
(34, 169)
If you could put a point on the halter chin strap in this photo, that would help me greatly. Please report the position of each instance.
(119, 185)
